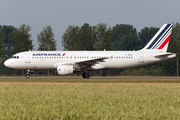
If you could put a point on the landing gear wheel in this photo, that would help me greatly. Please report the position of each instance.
(27, 76)
(86, 75)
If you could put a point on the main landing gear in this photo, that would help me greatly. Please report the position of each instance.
(28, 74)
(85, 75)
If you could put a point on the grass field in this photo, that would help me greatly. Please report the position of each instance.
(75, 99)
(94, 79)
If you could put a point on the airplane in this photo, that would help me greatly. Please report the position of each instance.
(68, 62)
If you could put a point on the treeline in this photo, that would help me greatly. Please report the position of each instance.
(100, 37)
(86, 37)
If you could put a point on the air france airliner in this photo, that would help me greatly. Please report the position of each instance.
(68, 62)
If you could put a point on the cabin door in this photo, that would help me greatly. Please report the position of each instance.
(27, 58)
(140, 58)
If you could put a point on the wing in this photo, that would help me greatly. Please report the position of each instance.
(87, 63)
(82, 64)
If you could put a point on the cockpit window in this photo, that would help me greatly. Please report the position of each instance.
(15, 57)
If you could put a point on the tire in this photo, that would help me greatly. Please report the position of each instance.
(27, 76)
(86, 75)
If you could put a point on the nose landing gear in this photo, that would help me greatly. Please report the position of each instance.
(28, 74)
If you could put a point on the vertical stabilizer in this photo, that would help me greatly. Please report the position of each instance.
(160, 40)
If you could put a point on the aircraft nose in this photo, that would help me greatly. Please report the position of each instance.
(7, 63)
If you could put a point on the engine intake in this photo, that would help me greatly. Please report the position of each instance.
(64, 69)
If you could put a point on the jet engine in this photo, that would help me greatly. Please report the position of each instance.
(64, 69)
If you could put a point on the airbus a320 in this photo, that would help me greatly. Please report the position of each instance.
(68, 62)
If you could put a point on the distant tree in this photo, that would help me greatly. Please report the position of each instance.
(70, 38)
(21, 39)
(78, 38)
(146, 34)
(102, 37)
(46, 39)
(2, 38)
(8, 45)
(125, 37)
(87, 37)
(85, 41)
(174, 45)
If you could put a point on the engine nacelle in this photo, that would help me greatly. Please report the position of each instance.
(64, 69)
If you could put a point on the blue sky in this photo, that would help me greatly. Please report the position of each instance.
(62, 13)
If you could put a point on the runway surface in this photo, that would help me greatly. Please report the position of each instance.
(93, 77)
(75, 79)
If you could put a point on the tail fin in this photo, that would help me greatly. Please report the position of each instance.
(160, 40)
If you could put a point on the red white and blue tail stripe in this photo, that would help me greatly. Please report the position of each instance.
(160, 40)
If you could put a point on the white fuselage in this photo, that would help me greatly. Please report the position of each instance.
(114, 59)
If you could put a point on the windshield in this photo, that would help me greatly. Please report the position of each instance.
(15, 57)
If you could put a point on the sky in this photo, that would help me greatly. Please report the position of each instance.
(62, 13)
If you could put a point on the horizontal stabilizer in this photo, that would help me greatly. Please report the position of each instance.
(165, 54)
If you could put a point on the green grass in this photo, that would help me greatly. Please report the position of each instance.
(93, 80)
(89, 101)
